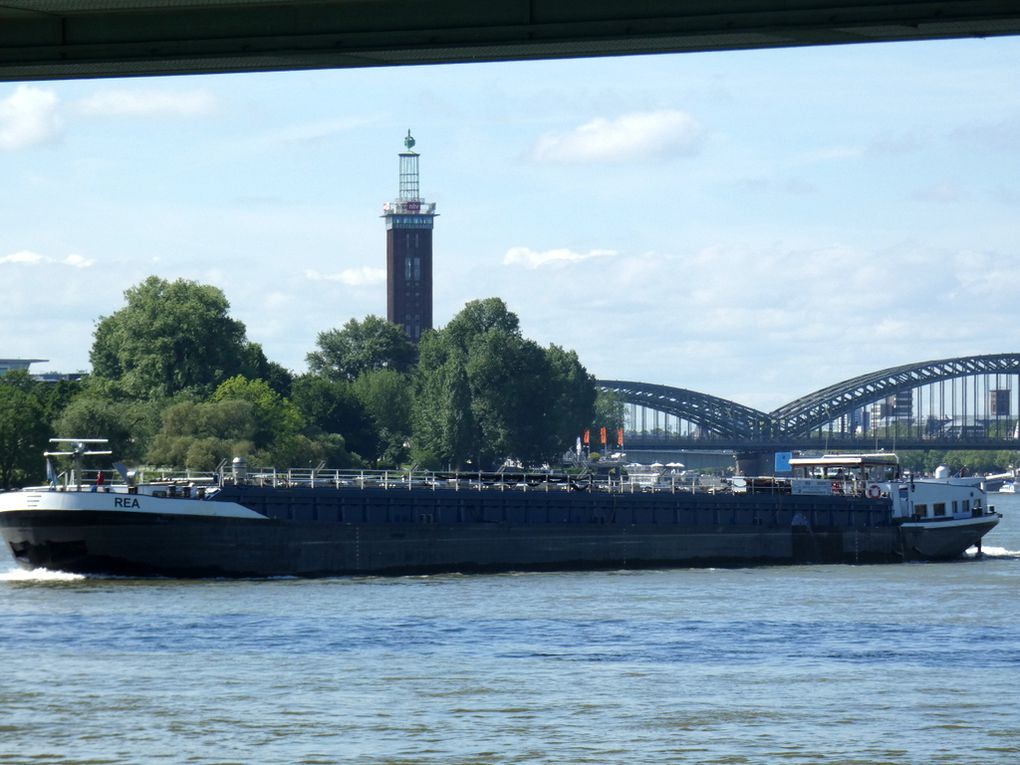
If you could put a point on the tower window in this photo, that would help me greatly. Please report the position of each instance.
(407, 268)
(417, 269)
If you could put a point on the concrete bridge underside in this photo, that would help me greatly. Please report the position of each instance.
(56, 39)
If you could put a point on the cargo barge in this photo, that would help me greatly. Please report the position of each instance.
(837, 509)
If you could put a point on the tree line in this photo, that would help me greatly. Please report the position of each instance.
(175, 381)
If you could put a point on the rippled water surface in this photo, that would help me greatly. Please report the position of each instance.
(915, 663)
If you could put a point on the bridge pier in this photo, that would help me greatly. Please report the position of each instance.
(755, 463)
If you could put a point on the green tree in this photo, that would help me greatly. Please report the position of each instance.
(128, 424)
(171, 337)
(609, 410)
(512, 395)
(55, 396)
(576, 396)
(485, 393)
(332, 408)
(358, 347)
(442, 421)
(23, 434)
(275, 416)
(386, 396)
(199, 435)
(257, 367)
(478, 317)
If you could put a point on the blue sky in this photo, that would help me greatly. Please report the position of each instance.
(754, 224)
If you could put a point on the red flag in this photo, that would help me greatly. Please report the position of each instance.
(602, 433)
(587, 436)
(619, 437)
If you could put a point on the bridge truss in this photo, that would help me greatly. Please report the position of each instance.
(964, 402)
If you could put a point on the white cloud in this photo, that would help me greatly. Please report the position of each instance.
(635, 136)
(77, 261)
(29, 117)
(534, 259)
(28, 257)
(352, 277)
(22, 256)
(148, 103)
(791, 317)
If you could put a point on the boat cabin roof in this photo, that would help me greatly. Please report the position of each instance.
(846, 460)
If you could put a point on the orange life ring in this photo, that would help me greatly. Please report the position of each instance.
(874, 491)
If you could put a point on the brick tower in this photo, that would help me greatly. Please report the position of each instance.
(409, 250)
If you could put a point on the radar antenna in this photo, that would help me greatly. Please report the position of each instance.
(79, 450)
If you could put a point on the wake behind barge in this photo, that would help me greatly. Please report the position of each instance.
(840, 509)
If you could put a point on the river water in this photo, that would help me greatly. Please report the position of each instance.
(912, 663)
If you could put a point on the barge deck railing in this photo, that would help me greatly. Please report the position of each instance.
(207, 482)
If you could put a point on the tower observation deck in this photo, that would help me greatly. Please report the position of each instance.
(409, 220)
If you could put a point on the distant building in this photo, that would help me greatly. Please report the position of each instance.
(998, 402)
(898, 406)
(58, 376)
(409, 221)
(10, 365)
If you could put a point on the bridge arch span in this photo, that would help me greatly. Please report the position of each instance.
(801, 416)
(948, 417)
(717, 415)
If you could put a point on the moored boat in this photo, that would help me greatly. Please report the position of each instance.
(835, 509)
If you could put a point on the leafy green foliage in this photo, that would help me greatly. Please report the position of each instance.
(258, 367)
(485, 393)
(172, 337)
(359, 347)
(577, 397)
(332, 408)
(23, 432)
(275, 416)
(969, 462)
(387, 398)
(177, 382)
(127, 423)
(442, 421)
(609, 410)
(200, 435)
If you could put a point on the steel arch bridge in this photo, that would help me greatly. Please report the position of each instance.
(716, 415)
(805, 414)
(719, 419)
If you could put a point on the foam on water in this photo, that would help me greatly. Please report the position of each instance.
(993, 552)
(38, 575)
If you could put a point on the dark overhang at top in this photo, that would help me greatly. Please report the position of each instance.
(60, 39)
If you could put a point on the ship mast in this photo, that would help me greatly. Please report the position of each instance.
(79, 451)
